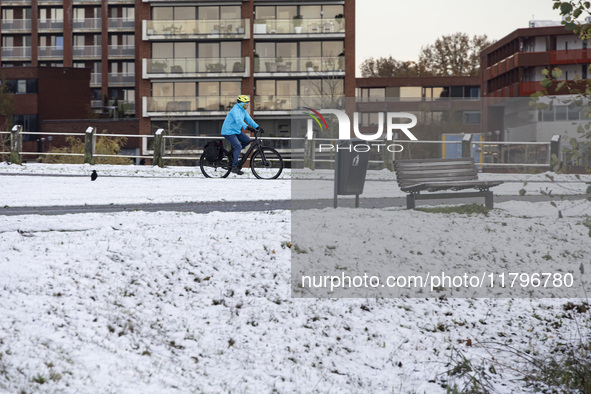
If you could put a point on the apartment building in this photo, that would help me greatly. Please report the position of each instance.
(512, 71)
(179, 65)
(454, 98)
(93, 34)
(198, 56)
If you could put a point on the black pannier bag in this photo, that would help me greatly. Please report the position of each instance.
(213, 151)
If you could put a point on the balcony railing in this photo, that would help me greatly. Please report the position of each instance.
(51, 52)
(49, 2)
(89, 51)
(303, 26)
(237, 66)
(300, 64)
(87, 24)
(121, 50)
(230, 28)
(122, 23)
(121, 78)
(96, 78)
(188, 104)
(16, 25)
(289, 103)
(16, 2)
(14, 53)
(86, 1)
(51, 25)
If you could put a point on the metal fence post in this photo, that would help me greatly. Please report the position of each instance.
(310, 149)
(16, 144)
(158, 148)
(555, 153)
(467, 145)
(89, 145)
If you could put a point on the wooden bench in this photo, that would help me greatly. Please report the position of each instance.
(434, 175)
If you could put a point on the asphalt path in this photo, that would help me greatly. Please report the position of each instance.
(254, 206)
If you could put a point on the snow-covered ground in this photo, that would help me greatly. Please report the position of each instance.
(71, 185)
(141, 302)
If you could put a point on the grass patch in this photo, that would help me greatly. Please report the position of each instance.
(472, 209)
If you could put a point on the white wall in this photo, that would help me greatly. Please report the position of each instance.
(540, 44)
(573, 42)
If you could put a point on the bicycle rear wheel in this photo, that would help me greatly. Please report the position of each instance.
(216, 169)
(266, 163)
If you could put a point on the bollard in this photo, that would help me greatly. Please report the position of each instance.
(16, 144)
(89, 145)
(467, 145)
(555, 163)
(158, 148)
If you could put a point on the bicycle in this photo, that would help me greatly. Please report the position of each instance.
(265, 162)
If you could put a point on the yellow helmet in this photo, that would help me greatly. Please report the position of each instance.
(243, 99)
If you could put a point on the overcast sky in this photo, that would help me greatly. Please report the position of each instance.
(400, 28)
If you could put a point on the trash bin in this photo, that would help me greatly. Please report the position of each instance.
(350, 168)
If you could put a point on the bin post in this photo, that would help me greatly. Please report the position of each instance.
(467, 145)
(89, 145)
(555, 153)
(16, 144)
(158, 148)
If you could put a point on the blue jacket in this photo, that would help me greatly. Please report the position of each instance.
(236, 120)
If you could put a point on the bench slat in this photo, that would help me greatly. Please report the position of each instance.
(433, 175)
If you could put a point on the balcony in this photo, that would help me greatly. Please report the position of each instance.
(120, 79)
(16, 26)
(96, 79)
(266, 103)
(7, 3)
(49, 2)
(197, 29)
(121, 51)
(50, 53)
(570, 56)
(274, 103)
(79, 2)
(87, 52)
(15, 53)
(194, 68)
(120, 2)
(300, 66)
(166, 106)
(51, 25)
(289, 27)
(87, 24)
(122, 24)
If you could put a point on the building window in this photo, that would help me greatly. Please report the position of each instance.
(29, 123)
(472, 117)
(372, 94)
(22, 86)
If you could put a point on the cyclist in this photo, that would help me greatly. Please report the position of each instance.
(233, 128)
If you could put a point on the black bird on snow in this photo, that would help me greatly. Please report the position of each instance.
(93, 176)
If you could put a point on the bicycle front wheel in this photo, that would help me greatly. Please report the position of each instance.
(216, 169)
(266, 163)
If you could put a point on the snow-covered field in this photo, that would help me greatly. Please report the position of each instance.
(160, 302)
(70, 185)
